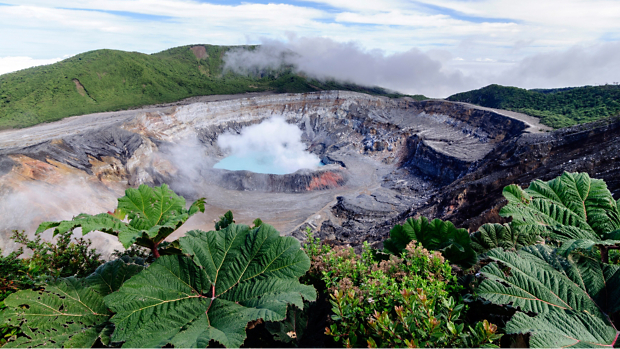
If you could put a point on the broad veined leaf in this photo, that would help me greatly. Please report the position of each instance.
(493, 235)
(530, 282)
(224, 280)
(153, 213)
(292, 328)
(564, 329)
(110, 276)
(68, 313)
(536, 279)
(570, 207)
(569, 246)
(454, 243)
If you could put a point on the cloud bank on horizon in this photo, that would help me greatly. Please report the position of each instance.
(428, 73)
(430, 47)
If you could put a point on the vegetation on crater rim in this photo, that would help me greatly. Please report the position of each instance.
(555, 107)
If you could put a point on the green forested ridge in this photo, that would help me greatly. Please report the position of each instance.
(107, 80)
(555, 107)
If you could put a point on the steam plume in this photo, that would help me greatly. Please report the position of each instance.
(274, 141)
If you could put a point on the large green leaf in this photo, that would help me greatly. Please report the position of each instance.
(564, 329)
(531, 283)
(454, 243)
(153, 213)
(537, 280)
(570, 207)
(493, 235)
(70, 312)
(224, 280)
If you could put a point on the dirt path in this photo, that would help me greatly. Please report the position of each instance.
(534, 125)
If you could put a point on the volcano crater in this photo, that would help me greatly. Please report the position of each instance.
(384, 160)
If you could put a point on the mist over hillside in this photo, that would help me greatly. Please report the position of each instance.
(109, 80)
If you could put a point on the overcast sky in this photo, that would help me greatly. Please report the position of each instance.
(430, 47)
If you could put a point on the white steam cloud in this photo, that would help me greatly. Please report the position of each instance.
(35, 202)
(273, 143)
(412, 71)
(434, 73)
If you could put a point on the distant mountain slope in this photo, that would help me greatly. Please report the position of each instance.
(556, 107)
(106, 80)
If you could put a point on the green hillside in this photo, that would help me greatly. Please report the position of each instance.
(107, 80)
(555, 107)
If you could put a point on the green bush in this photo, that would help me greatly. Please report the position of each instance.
(410, 300)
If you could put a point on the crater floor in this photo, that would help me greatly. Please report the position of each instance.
(387, 159)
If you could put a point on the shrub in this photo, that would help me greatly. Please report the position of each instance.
(63, 258)
(409, 300)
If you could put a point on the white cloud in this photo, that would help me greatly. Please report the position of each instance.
(44, 29)
(412, 71)
(434, 73)
(11, 64)
(575, 66)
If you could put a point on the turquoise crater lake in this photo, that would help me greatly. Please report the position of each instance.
(257, 162)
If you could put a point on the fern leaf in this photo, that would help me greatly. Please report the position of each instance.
(572, 207)
(538, 280)
(531, 283)
(493, 235)
(563, 329)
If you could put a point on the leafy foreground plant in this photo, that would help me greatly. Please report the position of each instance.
(572, 298)
(223, 280)
(153, 214)
(404, 301)
(69, 312)
(453, 243)
(574, 209)
(493, 235)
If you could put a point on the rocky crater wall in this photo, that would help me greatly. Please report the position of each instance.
(385, 156)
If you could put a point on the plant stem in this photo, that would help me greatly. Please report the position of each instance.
(155, 251)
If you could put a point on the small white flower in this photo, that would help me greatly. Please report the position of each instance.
(370, 300)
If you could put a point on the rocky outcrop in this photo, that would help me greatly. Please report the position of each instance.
(298, 182)
(443, 168)
(476, 198)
